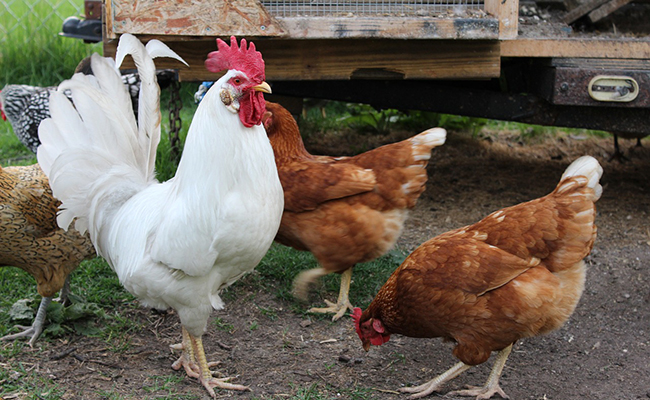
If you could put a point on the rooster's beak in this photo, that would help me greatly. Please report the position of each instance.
(366, 345)
(262, 87)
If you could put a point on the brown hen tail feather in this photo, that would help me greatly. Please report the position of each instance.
(424, 142)
(584, 172)
(586, 167)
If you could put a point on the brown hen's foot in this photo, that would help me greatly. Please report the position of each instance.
(343, 303)
(481, 393)
(303, 280)
(436, 383)
(33, 332)
(337, 309)
(491, 387)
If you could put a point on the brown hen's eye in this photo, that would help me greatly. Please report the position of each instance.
(237, 81)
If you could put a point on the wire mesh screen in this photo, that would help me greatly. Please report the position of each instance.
(293, 8)
(31, 50)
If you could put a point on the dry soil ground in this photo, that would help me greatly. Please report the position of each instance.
(603, 352)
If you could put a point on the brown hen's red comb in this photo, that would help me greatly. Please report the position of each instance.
(245, 59)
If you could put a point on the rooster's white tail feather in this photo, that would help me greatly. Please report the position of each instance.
(149, 107)
(93, 152)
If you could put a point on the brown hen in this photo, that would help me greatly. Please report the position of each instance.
(345, 210)
(517, 273)
(31, 240)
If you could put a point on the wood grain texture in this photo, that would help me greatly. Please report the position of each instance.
(606, 9)
(584, 48)
(507, 13)
(347, 58)
(188, 17)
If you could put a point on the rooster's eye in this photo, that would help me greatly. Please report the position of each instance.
(237, 81)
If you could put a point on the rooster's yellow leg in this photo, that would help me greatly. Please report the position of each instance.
(491, 387)
(206, 378)
(436, 383)
(187, 360)
(343, 303)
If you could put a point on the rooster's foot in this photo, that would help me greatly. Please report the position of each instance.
(338, 309)
(190, 366)
(481, 393)
(221, 383)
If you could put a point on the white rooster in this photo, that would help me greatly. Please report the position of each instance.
(178, 243)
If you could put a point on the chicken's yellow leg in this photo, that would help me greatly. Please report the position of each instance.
(206, 378)
(436, 383)
(491, 387)
(343, 302)
(187, 360)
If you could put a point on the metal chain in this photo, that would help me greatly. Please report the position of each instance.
(175, 123)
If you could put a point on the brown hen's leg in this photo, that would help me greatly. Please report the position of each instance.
(436, 383)
(491, 387)
(33, 332)
(207, 380)
(343, 303)
(304, 279)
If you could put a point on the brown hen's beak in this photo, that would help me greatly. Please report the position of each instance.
(263, 87)
(366, 345)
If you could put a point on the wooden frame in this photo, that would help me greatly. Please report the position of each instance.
(351, 47)
(335, 59)
(249, 18)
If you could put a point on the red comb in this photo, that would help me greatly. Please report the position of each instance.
(242, 58)
(356, 314)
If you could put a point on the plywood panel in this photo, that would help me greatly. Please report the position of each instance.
(190, 17)
(351, 59)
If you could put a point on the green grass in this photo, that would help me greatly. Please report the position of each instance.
(281, 264)
(31, 51)
(12, 152)
(24, 382)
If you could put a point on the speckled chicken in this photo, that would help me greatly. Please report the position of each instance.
(25, 106)
(31, 240)
(517, 273)
(345, 210)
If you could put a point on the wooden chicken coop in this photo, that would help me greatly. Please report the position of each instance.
(485, 58)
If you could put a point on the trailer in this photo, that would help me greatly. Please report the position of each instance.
(543, 63)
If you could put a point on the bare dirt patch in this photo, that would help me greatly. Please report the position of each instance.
(603, 352)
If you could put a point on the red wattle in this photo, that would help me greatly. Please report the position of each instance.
(252, 107)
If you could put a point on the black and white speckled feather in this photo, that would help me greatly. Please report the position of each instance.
(26, 106)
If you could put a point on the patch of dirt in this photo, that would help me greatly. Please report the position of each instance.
(603, 352)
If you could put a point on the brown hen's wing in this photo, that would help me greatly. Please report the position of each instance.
(461, 260)
(441, 287)
(308, 184)
(558, 228)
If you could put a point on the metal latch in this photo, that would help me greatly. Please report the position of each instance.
(613, 88)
